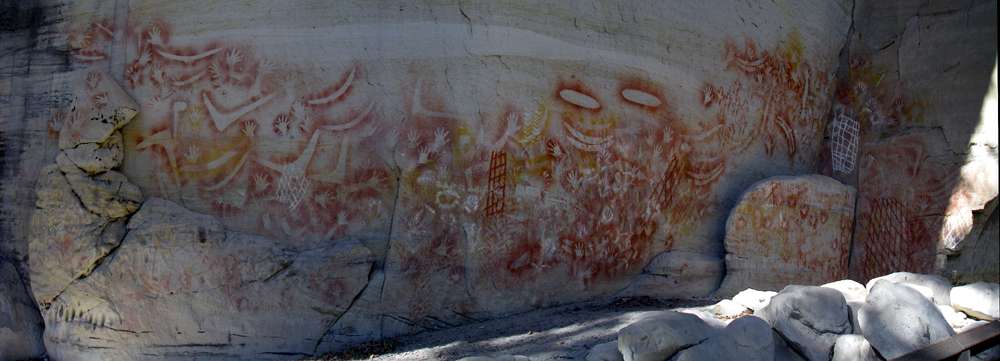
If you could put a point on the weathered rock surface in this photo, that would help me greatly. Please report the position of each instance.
(810, 319)
(607, 351)
(788, 230)
(754, 299)
(747, 338)
(853, 348)
(897, 319)
(180, 284)
(937, 289)
(679, 275)
(658, 337)
(980, 300)
(20, 326)
(95, 158)
(67, 240)
(852, 290)
(109, 194)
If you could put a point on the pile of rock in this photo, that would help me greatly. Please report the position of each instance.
(844, 320)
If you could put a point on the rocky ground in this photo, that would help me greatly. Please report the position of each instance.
(885, 319)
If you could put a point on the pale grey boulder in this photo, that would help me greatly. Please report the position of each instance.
(679, 275)
(754, 299)
(659, 336)
(980, 300)
(852, 290)
(747, 338)
(20, 324)
(934, 287)
(854, 348)
(180, 284)
(897, 319)
(66, 240)
(810, 318)
(607, 351)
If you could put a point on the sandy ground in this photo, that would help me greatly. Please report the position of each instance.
(560, 333)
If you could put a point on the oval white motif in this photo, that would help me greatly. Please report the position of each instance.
(579, 99)
(640, 97)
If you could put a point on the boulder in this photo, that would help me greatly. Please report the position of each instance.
(754, 299)
(20, 324)
(679, 275)
(66, 240)
(109, 194)
(788, 230)
(181, 284)
(659, 336)
(853, 348)
(782, 351)
(747, 338)
(897, 319)
(852, 290)
(809, 318)
(95, 158)
(607, 351)
(934, 287)
(980, 300)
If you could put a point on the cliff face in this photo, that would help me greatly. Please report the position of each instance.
(383, 169)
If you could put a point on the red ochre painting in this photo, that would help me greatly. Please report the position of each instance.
(581, 184)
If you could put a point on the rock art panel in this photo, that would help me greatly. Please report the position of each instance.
(264, 145)
(925, 161)
(789, 230)
(484, 182)
(896, 224)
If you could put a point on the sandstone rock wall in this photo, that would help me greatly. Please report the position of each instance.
(455, 162)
